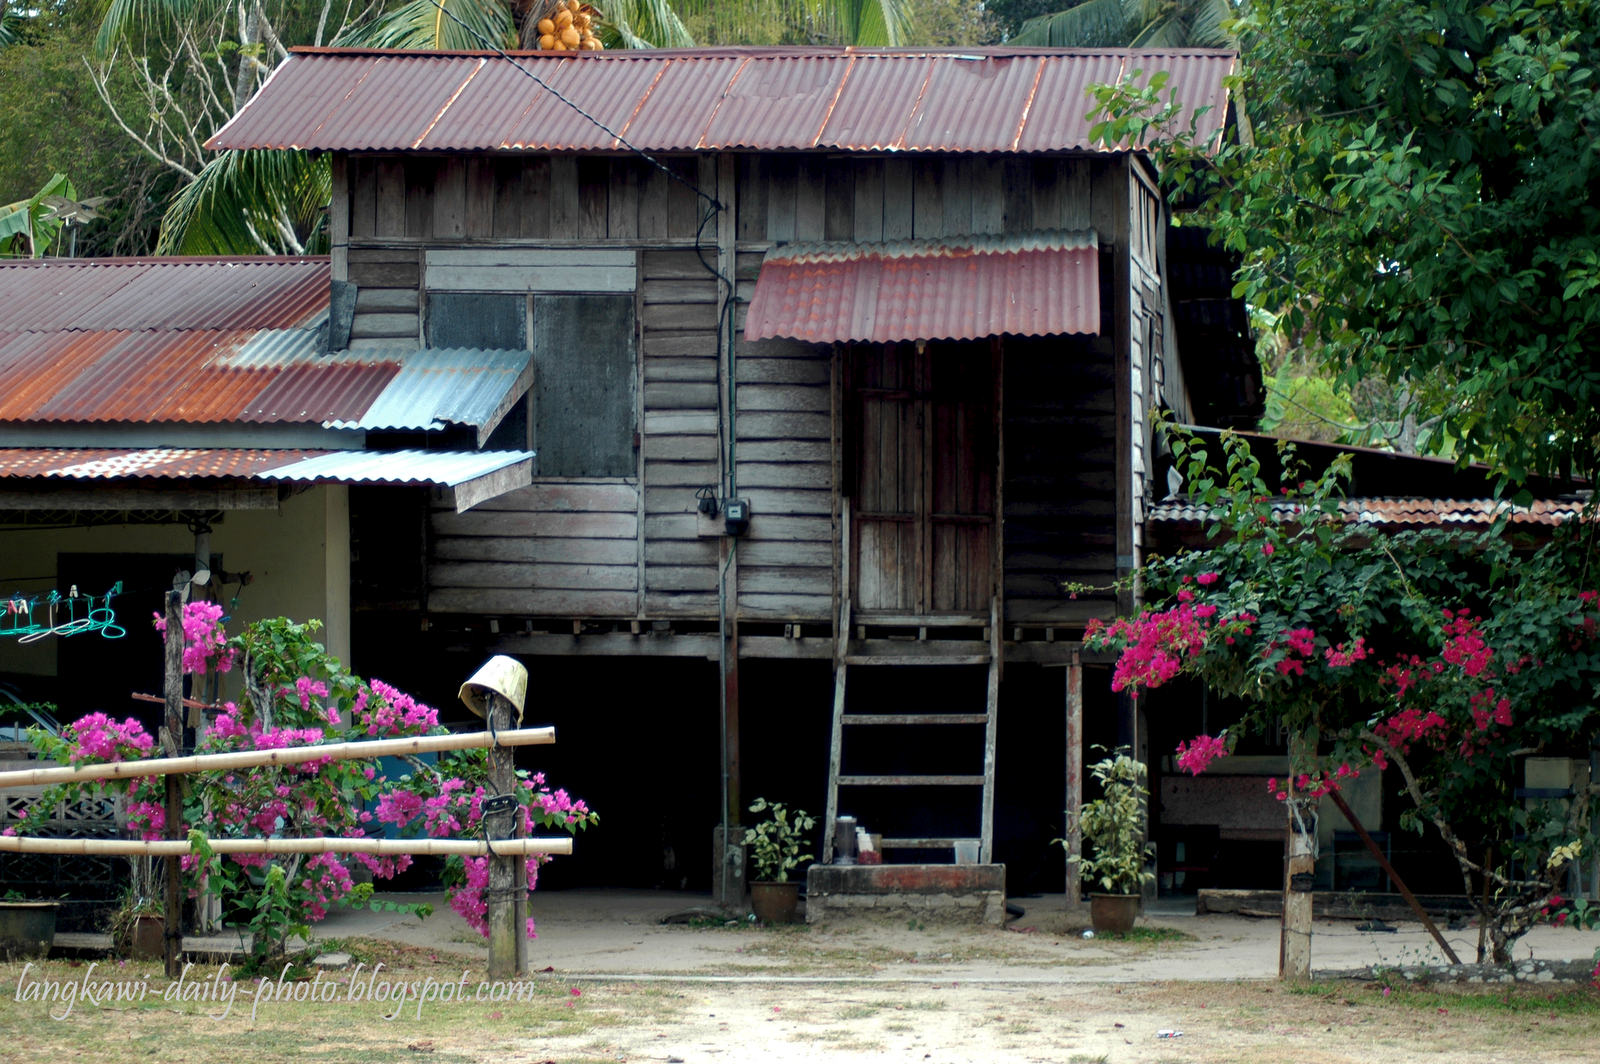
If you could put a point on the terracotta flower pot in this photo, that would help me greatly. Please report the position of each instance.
(146, 938)
(1113, 912)
(775, 903)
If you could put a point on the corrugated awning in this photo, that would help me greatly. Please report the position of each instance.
(473, 475)
(966, 288)
(1399, 513)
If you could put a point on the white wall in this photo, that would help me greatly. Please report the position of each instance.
(299, 555)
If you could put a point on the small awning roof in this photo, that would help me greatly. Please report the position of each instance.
(474, 475)
(962, 288)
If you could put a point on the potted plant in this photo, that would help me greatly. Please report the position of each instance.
(1114, 824)
(138, 927)
(775, 846)
(27, 926)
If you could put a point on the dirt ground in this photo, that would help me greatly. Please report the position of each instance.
(673, 1020)
(611, 983)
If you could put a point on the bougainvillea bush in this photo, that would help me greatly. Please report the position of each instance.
(296, 694)
(1451, 656)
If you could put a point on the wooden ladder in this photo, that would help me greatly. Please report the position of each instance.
(843, 662)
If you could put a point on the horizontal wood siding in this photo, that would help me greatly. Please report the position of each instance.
(567, 549)
(386, 281)
(785, 466)
(1060, 485)
(678, 300)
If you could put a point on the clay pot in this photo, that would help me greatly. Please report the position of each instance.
(146, 938)
(775, 903)
(1113, 912)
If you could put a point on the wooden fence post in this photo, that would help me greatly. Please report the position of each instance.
(172, 743)
(1294, 948)
(1074, 809)
(507, 955)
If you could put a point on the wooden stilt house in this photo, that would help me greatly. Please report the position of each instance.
(841, 356)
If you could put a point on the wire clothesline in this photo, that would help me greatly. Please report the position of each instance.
(19, 616)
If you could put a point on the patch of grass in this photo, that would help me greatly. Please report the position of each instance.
(1084, 1058)
(837, 1039)
(1148, 936)
(857, 1012)
(900, 1027)
(918, 1006)
(1512, 1000)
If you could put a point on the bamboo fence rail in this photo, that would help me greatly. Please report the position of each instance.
(292, 755)
(382, 847)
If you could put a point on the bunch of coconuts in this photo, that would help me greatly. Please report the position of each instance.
(569, 28)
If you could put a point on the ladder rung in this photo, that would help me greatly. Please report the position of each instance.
(916, 659)
(911, 781)
(921, 844)
(914, 718)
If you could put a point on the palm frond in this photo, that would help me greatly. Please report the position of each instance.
(1094, 24)
(126, 17)
(870, 23)
(1205, 28)
(250, 203)
(642, 24)
(422, 24)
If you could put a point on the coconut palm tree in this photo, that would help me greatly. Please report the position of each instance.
(272, 202)
(1134, 24)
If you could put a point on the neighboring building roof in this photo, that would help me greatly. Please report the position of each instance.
(1027, 284)
(1398, 514)
(712, 99)
(476, 475)
(221, 340)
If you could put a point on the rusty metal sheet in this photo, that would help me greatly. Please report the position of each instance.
(761, 99)
(166, 462)
(157, 293)
(1437, 513)
(787, 99)
(328, 391)
(1031, 284)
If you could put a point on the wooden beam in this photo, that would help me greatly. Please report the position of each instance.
(915, 718)
(114, 495)
(1074, 804)
(172, 744)
(507, 954)
(911, 781)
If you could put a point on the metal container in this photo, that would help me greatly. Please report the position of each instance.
(844, 841)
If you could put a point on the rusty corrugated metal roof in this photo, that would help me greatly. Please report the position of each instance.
(445, 468)
(219, 340)
(712, 99)
(44, 295)
(1403, 513)
(1026, 284)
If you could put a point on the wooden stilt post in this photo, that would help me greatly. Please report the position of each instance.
(172, 744)
(507, 955)
(1294, 949)
(1074, 808)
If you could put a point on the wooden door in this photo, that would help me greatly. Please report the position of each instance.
(924, 488)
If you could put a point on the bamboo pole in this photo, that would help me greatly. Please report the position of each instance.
(1074, 809)
(295, 755)
(385, 847)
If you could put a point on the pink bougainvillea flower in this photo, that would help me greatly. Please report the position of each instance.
(1268, 549)
(1207, 579)
(1194, 758)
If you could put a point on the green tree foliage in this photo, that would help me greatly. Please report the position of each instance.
(1420, 196)
(52, 121)
(1133, 24)
(1449, 657)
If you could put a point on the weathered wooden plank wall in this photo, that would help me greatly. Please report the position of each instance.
(634, 547)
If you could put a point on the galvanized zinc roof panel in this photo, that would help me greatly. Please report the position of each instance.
(761, 99)
(446, 468)
(166, 462)
(438, 386)
(1401, 512)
